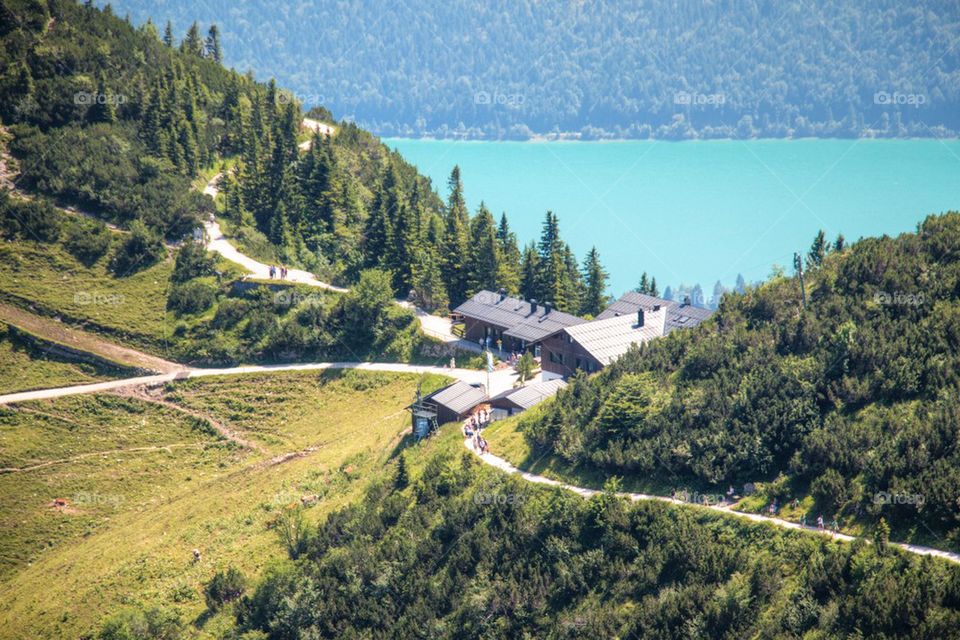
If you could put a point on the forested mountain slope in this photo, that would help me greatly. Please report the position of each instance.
(851, 395)
(635, 69)
(464, 552)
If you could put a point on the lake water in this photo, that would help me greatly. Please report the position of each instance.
(698, 212)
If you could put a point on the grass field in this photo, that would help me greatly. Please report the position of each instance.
(146, 483)
(47, 278)
(24, 367)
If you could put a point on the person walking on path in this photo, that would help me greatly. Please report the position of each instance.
(273, 272)
(820, 523)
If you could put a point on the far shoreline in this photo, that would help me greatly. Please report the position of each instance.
(572, 139)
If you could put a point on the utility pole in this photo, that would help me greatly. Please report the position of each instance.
(798, 265)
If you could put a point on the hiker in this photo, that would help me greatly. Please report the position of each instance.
(273, 272)
(820, 523)
(834, 525)
(803, 520)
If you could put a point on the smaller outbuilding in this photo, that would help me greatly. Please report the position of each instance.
(450, 404)
(514, 401)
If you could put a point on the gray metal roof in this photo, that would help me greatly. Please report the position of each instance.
(459, 397)
(678, 316)
(608, 339)
(533, 394)
(538, 326)
(516, 316)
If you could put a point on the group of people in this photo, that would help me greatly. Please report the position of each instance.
(472, 427)
(275, 269)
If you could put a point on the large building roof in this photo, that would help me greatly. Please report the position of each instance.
(679, 316)
(459, 397)
(608, 339)
(531, 395)
(516, 316)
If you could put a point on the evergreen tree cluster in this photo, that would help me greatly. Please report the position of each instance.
(464, 552)
(110, 117)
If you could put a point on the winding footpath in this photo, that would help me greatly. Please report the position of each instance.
(507, 467)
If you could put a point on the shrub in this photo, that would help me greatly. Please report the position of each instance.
(192, 262)
(141, 249)
(191, 297)
(87, 241)
(226, 586)
(137, 624)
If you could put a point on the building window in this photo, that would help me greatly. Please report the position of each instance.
(556, 357)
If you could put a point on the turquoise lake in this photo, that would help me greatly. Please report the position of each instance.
(698, 212)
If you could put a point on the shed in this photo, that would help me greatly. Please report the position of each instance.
(520, 399)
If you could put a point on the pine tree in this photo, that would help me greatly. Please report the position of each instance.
(696, 296)
(595, 284)
(718, 292)
(168, 35)
(103, 109)
(509, 276)
(741, 286)
(427, 282)
(840, 243)
(644, 286)
(402, 478)
(483, 257)
(213, 44)
(654, 290)
(455, 244)
(818, 250)
(530, 272)
(192, 44)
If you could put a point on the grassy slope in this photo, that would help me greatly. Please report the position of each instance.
(48, 278)
(142, 513)
(23, 368)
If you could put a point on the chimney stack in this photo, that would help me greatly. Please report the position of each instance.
(533, 305)
(548, 307)
(503, 295)
(686, 301)
(639, 317)
(656, 308)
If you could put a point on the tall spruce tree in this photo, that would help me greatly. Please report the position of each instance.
(213, 50)
(483, 258)
(595, 285)
(455, 244)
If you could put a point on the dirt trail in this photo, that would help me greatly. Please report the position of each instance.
(93, 454)
(155, 396)
(76, 339)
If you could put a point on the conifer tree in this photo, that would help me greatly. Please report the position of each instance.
(818, 250)
(509, 274)
(103, 109)
(530, 272)
(193, 43)
(455, 240)
(168, 35)
(213, 44)
(595, 285)
(483, 258)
